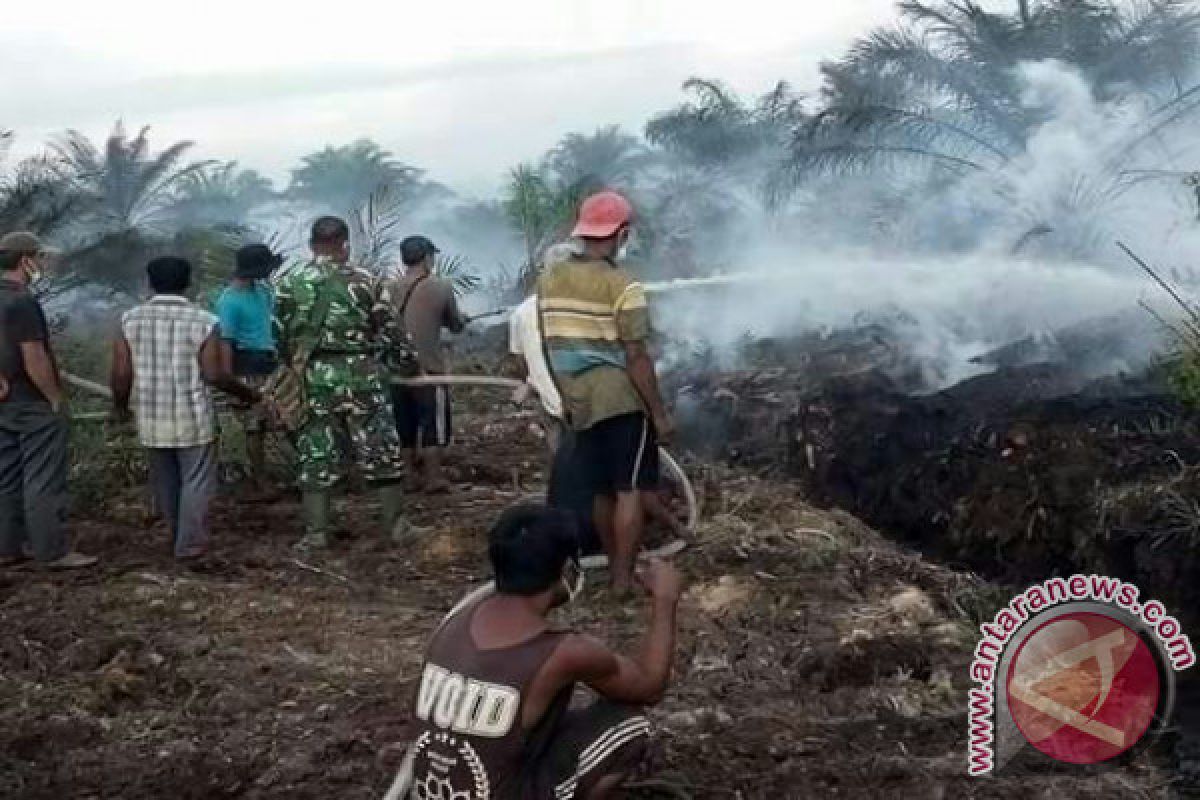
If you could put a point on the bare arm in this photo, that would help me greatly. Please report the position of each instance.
(42, 371)
(453, 318)
(226, 348)
(121, 377)
(213, 370)
(640, 679)
(641, 372)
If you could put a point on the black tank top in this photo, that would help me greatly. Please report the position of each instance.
(470, 743)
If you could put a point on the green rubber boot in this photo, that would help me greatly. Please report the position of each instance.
(391, 504)
(316, 521)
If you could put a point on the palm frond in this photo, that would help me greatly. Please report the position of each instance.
(457, 270)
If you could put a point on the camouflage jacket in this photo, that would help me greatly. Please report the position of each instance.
(360, 335)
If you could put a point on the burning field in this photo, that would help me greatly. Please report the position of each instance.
(817, 658)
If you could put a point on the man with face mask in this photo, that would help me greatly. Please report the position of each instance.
(595, 325)
(33, 418)
(493, 713)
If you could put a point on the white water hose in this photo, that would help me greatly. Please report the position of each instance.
(676, 471)
(487, 381)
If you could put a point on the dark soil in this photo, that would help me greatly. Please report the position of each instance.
(816, 659)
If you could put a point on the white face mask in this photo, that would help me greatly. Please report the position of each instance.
(627, 244)
(33, 270)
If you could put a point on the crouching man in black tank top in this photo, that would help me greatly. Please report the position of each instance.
(493, 717)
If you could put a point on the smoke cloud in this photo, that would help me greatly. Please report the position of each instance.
(1023, 250)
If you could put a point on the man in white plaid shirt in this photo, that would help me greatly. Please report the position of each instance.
(166, 358)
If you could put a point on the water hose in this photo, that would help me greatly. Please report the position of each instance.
(487, 381)
(91, 387)
(676, 471)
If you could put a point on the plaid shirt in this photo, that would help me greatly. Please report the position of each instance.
(173, 404)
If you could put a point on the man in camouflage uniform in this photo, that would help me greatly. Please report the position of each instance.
(348, 409)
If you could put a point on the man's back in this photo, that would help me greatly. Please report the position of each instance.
(245, 313)
(171, 400)
(428, 306)
(590, 309)
(21, 320)
(350, 338)
(470, 706)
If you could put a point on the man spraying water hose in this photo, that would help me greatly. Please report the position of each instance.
(425, 305)
(595, 324)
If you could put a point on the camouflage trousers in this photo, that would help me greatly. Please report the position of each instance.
(361, 434)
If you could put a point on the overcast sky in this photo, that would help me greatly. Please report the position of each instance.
(462, 89)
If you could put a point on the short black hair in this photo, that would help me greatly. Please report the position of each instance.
(169, 275)
(415, 249)
(329, 230)
(529, 545)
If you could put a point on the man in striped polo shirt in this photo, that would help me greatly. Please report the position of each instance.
(595, 325)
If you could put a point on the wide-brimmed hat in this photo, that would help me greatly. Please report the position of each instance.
(256, 261)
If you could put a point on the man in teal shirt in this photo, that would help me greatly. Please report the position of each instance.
(245, 312)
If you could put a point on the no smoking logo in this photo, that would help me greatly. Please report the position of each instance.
(1083, 688)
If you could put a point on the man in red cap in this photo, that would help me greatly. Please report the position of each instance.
(595, 324)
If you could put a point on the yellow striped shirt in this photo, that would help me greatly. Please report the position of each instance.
(589, 310)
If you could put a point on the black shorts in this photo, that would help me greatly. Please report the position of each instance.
(570, 489)
(586, 744)
(422, 415)
(621, 453)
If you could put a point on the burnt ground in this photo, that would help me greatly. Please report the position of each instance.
(816, 658)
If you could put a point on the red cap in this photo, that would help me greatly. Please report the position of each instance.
(602, 215)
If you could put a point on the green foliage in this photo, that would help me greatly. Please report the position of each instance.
(458, 272)
(220, 195)
(580, 164)
(540, 199)
(376, 229)
(125, 186)
(1183, 375)
(536, 209)
(940, 90)
(343, 178)
(717, 129)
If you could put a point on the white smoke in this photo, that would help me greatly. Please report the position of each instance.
(1065, 201)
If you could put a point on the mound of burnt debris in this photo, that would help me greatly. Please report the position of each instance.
(1019, 473)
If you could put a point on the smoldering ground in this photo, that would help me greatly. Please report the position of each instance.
(1024, 248)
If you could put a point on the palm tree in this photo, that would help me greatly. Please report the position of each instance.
(717, 129)
(606, 158)
(942, 89)
(541, 198)
(341, 179)
(125, 187)
(34, 197)
(220, 195)
(536, 208)
(945, 96)
(376, 229)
